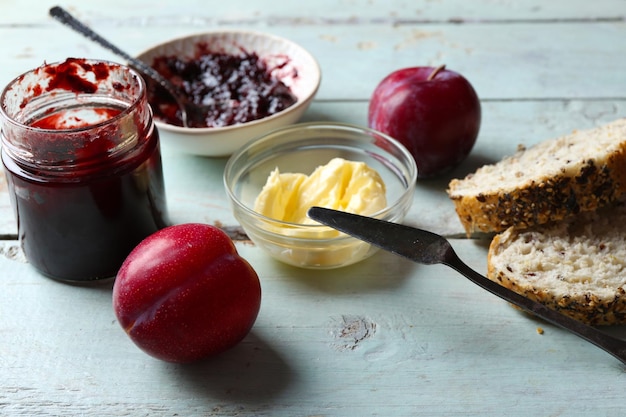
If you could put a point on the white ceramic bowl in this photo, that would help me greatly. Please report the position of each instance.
(301, 74)
(302, 148)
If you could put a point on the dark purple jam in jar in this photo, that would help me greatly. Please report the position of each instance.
(83, 164)
(228, 88)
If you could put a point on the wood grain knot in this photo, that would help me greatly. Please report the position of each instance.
(13, 252)
(349, 331)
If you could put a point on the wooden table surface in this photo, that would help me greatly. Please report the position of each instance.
(384, 337)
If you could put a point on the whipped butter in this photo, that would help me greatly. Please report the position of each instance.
(343, 185)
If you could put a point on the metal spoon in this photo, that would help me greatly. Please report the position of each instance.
(186, 106)
(429, 248)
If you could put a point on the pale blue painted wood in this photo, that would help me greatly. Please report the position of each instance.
(294, 12)
(384, 337)
(503, 61)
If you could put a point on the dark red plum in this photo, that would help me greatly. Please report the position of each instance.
(434, 112)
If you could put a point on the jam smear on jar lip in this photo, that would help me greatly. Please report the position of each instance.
(228, 89)
(66, 75)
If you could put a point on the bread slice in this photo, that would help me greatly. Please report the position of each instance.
(550, 181)
(575, 266)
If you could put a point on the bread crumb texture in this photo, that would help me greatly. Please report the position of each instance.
(577, 267)
(552, 180)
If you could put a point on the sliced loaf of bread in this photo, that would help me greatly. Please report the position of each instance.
(549, 181)
(575, 266)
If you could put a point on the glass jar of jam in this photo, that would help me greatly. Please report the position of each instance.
(83, 165)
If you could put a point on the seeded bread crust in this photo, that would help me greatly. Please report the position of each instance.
(577, 267)
(581, 172)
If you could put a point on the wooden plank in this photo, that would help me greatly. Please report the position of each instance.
(384, 337)
(321, 12)
(195, 191)
(521, 61)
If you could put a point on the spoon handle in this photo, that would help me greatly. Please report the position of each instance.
(608, 343)
(67, 19)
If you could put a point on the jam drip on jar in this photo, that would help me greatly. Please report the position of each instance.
(230, 89)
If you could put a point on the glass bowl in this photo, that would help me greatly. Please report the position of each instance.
(301, 148)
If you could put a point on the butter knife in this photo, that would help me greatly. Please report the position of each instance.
(429, 248)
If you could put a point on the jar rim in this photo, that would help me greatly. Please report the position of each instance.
(74, 112)
(135, 75)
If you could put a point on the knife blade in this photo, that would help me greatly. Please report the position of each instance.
(415, 244)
